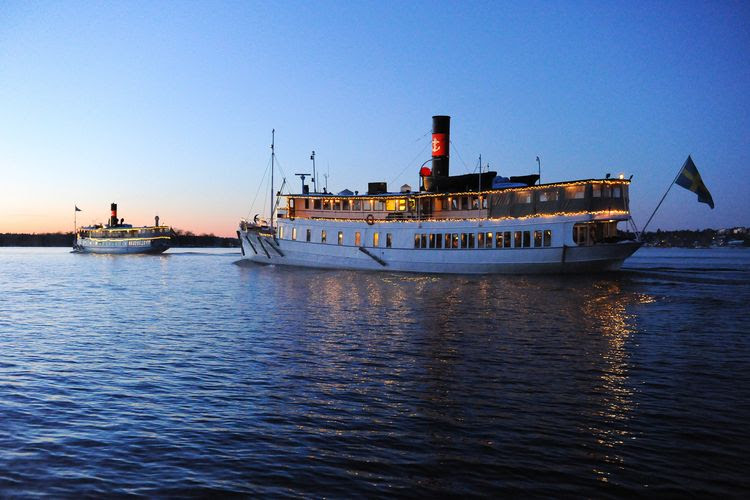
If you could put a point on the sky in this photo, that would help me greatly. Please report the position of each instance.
(167, 107)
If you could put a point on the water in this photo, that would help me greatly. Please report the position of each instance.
(187, 375)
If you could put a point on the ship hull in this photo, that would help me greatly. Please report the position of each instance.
(93, 247)
(262, 247)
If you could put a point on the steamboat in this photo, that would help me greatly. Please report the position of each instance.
(468, 224)
(116, 237)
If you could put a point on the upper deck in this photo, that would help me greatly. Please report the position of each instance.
(591, 196)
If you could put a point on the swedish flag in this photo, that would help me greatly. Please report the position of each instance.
(690, 179)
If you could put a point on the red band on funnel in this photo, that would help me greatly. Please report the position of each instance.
(438, 145)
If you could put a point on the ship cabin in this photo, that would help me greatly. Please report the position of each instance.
(604, 200)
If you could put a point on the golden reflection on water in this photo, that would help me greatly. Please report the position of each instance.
(605, 311)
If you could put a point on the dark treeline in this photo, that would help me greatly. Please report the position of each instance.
(179, 239)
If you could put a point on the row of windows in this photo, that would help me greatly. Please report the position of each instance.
(392, 205)
(501, 239)
(504, 239)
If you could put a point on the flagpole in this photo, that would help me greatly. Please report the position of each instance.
(662, 199)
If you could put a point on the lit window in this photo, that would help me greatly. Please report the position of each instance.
(517, 239)
(575, 192)
(537, 238)
(357, 239)
(455, 240)
(432, 240)
(402, 205)
(281, 232)
(376, 239)
(326, 204)
(417, 240)
(390, 205)
(488, 240)
(547, 237)
(341, 237)
(499, 240)
(523, 197)
(337, 204)
(294, 233)
(480, 240)
(323, 236)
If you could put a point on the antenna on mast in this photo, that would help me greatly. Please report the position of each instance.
(315, 183)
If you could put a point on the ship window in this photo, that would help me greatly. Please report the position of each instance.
(358, 239)
(424, 241)
(523, 197)
(498, 240)
(437, 204)
(308, 235)
(379, 205)
(474, 203)
(375, 239)
(337, 204)
(579, 234)
(402, 205)
(316, 204)
(390, 205)
(323, 236)
(341, 237)
(506, 239)
(488, 240)
(281, 232)
(484, 202)
(432, 240)
(616, 192)
(455, 240)
(471, 240)
(537, 239)
(346, 205)
(463, 240)
(517, 239)
(388, 240)
(596, 191)
(294, 233)
(367, 205)
(480, 240)
(574, 192)
(326, 204)
(454, 203)
(307, 203)
(464, 203)
(357, 205)
(526, 239)
(439, 240)
(417, 240)
(549, 195)
(547, 237)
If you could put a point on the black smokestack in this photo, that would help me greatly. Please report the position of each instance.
(113, 215)
(441, 137)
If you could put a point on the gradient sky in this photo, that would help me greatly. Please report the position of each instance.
(167, 107)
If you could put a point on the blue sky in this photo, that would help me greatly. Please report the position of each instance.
(167, 107)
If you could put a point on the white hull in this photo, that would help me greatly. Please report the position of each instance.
(125, 247)
(561, 256)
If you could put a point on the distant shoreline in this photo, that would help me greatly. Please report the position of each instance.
(705, 238)
(180, 240)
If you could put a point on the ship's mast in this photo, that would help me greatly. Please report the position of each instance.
(273, 158)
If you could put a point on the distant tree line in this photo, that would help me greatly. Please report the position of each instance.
(179, 239)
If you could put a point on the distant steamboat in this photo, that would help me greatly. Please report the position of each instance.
(474, 224)
(116, 237)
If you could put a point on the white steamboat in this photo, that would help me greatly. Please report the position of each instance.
(472, 224)
(116, 237)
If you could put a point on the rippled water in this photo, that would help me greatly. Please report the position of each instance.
(184, 375)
